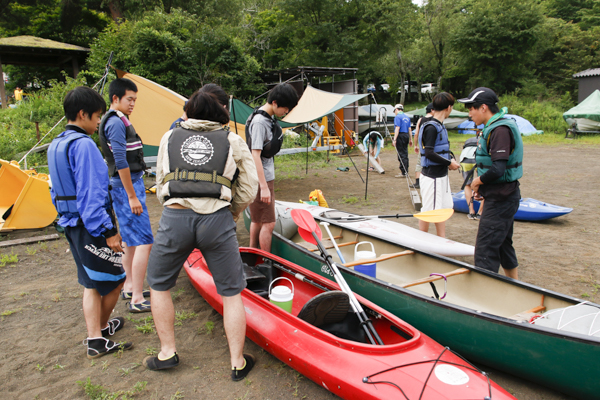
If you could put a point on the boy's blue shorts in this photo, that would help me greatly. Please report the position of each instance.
(134, 229)
(98, 267)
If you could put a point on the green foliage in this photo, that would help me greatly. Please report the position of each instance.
(177, 52)
(496, 41)
(546, 115)
(17, 126)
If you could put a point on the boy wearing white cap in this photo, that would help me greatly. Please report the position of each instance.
(402, 138)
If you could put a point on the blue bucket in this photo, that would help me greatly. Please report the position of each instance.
(367, 269)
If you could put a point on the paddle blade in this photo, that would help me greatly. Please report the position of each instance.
(435, 216)
(306, 225)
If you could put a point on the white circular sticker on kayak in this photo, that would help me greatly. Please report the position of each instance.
(451, 375)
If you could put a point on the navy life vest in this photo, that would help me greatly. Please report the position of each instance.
(514, 166)
(201, 164)
(63, 179)
(271, 148)
(441, 147)
(135, 147)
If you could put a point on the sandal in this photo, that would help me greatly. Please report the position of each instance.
(144, 306)
(128, 295)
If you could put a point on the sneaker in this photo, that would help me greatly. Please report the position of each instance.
(128, 295)
(371, 169)
(415, 186)
(156, 364)
(114, 325)
(97, 347)
(401, 176)
(239, 374)
(477, 217)
(471, 216)
(144, 306)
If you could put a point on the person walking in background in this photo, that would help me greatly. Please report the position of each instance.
(499, 158)
(200, 214)
(123, 151)
(264, 138)
(420, 122)
(436, 161)
(402, 138)
(80, 195)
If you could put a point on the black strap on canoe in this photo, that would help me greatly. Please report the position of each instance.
(435, 292)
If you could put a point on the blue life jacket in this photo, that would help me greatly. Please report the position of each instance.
(63, 180)
(441, 147)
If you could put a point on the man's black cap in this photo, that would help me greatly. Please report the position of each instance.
(429, 108)
(481, 95)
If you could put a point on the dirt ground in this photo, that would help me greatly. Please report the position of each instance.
(42, 326)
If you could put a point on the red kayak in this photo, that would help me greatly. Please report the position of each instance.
(336, 355)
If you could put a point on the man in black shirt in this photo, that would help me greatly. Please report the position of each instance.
(436, 161)
(499, 160)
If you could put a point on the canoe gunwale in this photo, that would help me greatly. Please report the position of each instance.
(465, 310)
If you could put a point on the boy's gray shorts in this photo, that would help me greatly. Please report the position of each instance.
(182, 231)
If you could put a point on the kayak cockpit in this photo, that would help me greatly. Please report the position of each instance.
(320, 303)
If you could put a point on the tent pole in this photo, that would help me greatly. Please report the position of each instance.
(233, 112)
(368, 161)
(307, 140)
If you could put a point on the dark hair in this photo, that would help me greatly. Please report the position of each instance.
(443, 100)
(493, 107)
(373, 137)
(119, 87)
(285, 95)
(206, 106)
(83, 98)
(218, 91)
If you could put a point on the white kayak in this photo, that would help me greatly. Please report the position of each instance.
(380, 228)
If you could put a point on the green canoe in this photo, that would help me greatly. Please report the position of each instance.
(484, 316)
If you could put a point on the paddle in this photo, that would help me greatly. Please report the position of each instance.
(307, 225)
(433, 216)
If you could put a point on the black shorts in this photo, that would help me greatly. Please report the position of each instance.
(182, 231)
(494, 237)
(98, 267)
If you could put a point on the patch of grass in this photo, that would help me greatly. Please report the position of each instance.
(585, 295)
(58, 366)
(8, 259)
(125, 371)
(178, 395)
(56, 297)
(349, 199)
(208, 327)
(151, 351)
(43, 246)
(105, 365)
(177, 293)
(245, 396)
(146, 327)
(97, 392)
(7, 313)
(31, 251)
(40, 367)
(183, 315)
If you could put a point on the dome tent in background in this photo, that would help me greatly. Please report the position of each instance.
(525, 127)
(586, 114)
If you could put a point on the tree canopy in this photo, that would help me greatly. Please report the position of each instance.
(526, 46)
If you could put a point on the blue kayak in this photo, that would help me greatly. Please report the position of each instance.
(529, 209)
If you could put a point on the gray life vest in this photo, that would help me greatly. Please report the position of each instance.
(201, 164)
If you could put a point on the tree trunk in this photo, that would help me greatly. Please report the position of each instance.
(115, 11)
(402, 77)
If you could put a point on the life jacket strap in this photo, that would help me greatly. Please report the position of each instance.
(183, 175)
(67, 198)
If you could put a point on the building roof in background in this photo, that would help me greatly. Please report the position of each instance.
(31, 50)
(32, 41)
(587, 73)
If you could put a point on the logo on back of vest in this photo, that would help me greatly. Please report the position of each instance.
(197, 150)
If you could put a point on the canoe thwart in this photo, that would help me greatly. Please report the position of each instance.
(382, 257)
(428, 279)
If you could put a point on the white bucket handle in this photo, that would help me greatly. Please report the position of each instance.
(358, 244)
(281, 277)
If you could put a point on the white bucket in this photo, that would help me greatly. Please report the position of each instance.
(367, 269)
(281, 295)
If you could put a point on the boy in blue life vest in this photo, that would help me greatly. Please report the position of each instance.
(499, 159)
(123, 150)
(80, 195)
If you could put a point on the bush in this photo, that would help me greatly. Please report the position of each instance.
(545, 115)
(17, 125)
